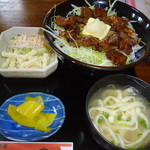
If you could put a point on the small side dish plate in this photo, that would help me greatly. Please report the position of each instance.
(5, 36)
(14, 131)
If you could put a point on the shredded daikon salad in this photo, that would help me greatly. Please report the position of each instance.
(122, 117)
(87, 54)
(27, 51)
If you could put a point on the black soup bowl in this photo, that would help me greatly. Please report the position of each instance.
(141, 25)
(120, 80)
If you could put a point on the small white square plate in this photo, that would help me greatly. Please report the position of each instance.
(23, 73)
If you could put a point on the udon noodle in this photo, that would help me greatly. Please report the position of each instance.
(121, 115)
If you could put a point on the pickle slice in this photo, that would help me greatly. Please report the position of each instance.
(42, 125)
(19, 118)
(30, 109)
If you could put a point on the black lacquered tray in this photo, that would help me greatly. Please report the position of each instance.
(71, 86)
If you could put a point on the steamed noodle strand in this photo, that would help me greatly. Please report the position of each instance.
(111, 132)
(127, 99)
(142, 116)
(145, 133)
(119, 94)
(115, 117)
(121, 141)
(112, 98)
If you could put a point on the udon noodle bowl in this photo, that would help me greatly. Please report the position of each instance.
(122, 116)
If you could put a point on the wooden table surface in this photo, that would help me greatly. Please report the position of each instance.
(30, 13)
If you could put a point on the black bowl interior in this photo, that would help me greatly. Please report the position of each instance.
(141, 25)
(120, 80)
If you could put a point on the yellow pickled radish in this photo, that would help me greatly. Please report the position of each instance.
(20, 119)
(29, 98)
(49, 117)
(30, 109)
(38, 99)
(42, 125)
(29, 114)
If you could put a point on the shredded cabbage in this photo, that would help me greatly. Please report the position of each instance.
(76, 10)
(110, 11)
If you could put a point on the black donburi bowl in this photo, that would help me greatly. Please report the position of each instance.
(141, 25)
(120, 80)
